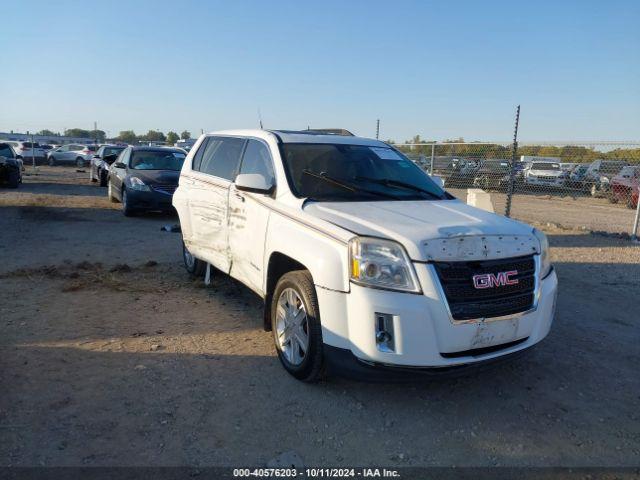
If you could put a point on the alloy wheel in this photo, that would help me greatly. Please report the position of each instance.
(292, 327)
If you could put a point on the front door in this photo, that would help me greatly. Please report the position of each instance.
(249, 219)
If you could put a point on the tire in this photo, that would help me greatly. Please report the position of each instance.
(51, 161)
(629, 201)
(14, 180)
(102, 177)
(112, 198)
(194, 266)
(127, 210)
(80, 162)
(295, 293)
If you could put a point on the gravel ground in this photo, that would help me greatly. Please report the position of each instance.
(569, 211)
(111, 355)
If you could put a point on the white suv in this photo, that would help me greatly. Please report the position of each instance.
(366, 265)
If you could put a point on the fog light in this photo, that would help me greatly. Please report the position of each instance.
(384, 332)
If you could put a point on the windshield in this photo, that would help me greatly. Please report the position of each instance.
(157, 160)
(545, 166)
(341, 172)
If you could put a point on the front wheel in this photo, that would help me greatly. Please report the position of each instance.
(51, 161)
(80, 162)
(127, 209)
(102, 176)
(295, 323)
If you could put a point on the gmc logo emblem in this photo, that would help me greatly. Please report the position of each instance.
(490, 280)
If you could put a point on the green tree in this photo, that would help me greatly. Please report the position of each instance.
(46, 132)
(172, 137)
(99, 135)
(127, 136)
(153, 136)
(185, 135)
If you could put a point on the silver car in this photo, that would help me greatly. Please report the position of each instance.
(72, 153)
(28, 151)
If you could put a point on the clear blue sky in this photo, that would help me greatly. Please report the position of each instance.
(439, 69)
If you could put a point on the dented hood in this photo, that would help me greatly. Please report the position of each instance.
(433, 230)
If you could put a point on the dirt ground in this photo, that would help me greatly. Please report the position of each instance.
(111, 355)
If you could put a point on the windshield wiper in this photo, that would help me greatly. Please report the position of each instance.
(399, 184)
(347, 186)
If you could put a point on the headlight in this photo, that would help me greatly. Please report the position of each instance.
(545, 261)
(136, 184)
(381, 263)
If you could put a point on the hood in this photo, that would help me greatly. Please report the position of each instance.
(156, 177)
(432, 230)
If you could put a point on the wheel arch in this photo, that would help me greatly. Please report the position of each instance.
(278, 265)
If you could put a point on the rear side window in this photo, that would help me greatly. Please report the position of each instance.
(197, 158)
(256, 159)
(221, 157)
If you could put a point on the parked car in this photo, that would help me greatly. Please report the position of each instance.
(365, 264)
(144, 178)
(10, 166)
(28, 151)
(576, 176)
(493, 175)
(625, 186)
(72, 153)
(462, 172)
(546, 174)
(599, 174)
(101, 161)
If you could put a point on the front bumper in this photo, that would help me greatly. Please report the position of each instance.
(556, 182)
(424, 334)
(149, 200)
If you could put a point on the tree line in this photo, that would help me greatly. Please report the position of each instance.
(125, 136)
(568, 153)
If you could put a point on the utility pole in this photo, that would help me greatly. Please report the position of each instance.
(378, 129)
(95, 132)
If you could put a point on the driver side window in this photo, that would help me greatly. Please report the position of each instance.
(257, 159)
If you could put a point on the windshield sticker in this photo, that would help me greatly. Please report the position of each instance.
(385, 153)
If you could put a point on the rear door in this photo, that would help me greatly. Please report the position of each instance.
(212, 173)
(249, 219)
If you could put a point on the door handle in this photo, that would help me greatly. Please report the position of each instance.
(239, 196)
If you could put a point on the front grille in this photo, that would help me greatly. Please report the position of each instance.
(467, 302)
(167, 189)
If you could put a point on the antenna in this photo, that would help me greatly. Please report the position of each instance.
(260, 119)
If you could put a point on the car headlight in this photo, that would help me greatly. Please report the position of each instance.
(381, 263)
(545, 260)
(136, 184)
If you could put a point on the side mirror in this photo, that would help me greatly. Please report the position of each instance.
(119, 165)
(96, 156)
(254, 182)
(438, 180)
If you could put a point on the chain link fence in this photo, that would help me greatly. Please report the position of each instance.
(582, 186)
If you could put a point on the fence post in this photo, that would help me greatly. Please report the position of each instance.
(433, 151)
(512, 166)
(33, 154)
(634, 233)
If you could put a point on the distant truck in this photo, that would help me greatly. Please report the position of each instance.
(185, 143)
